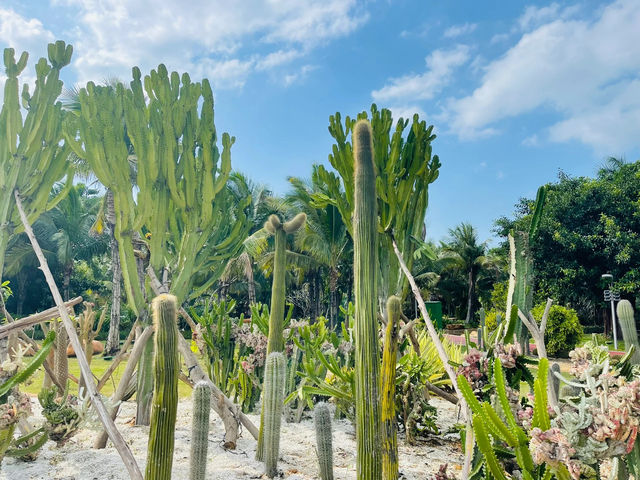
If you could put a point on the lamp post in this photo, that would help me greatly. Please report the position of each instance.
(612, 297)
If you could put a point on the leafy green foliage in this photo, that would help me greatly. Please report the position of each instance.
(564, 330)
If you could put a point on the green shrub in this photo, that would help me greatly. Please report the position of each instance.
(563, 331)
(490, 320)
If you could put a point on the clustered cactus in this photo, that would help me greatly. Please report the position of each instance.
(165, 394)
(324, 443)
(200, 430)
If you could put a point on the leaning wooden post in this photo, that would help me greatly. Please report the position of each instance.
(105, 418)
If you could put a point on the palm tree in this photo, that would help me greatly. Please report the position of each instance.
(468, 256)
(324, 237)
(69, 224)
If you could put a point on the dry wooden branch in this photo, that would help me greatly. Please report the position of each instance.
(121, 356)
(121, 446)
(40, 317)
(123, 385)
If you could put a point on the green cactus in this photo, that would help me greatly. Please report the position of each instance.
(628, 325)
(555, 381)
(61, 361)
(324, 448)
(275, 343)
(274, 380)
(200, 430)
(165, 394)
(389, 354)
(365, 271)
(32, 155)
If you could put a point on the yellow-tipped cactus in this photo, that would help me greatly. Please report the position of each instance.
(165, 394)
(324, 447)
(274, 379)
(389, 354)
(365, 272)
(200, 430)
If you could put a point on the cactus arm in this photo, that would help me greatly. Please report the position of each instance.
(540, 413)
(486, 448)
(39, 443)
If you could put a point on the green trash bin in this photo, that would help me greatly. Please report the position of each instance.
(435, 312)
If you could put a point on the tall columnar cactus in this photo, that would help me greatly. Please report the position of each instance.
(324, 444)
(389, 354)
(279, 230)
(273, 400)
(200, 430)
(365, 272)
(61, 361)
(554, 380)
(165, 394)
(628, 325)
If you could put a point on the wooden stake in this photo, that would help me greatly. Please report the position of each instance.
(109, 425)
(40, 317)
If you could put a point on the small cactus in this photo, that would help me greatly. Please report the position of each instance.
(324, 448)
(165, 394)
(628, 325)
(389, 354)
(273, 398)
(554, 381)
(200, 430)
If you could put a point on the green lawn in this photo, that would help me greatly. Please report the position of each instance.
(587, 337)
(98, 367)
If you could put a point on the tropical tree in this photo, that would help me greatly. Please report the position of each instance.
(324, 237)
(468, 255)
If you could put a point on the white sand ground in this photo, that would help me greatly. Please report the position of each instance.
(78, 461)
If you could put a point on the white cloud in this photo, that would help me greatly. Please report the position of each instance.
(531, 141)
(424, 86)
(584, 70)
(458, 30)
(222, 38)
(407, 112)
(298, 76)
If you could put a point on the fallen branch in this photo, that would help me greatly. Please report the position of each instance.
(121, 446)
(123, 385)
(36, 318)
(450, 397)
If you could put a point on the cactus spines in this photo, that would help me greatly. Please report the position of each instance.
(554, 381)
(389, 353)
(200, 430)
(628, 325)
(295, 223)
(165, 394)
(274, 379)
(324, 447)
(365, 268)
(275, 341)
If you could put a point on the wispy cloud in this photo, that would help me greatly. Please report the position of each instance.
(458, 30)
(227, 41)
(424, 86)
(586, 70)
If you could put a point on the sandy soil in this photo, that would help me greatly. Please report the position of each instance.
(78, 461)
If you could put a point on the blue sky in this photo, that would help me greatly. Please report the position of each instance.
(516, 90)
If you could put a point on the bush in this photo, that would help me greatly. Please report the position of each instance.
(490, 320)
(563, 331)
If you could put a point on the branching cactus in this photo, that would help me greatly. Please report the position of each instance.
(389, 354)
(200, 430)
(324, 447)
(273, 398)
(165, 393)
(279, 230)
(365, 268)
(628, 324)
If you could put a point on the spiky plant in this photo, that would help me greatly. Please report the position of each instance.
(324, 447)
(200, 430)
(274, 380)
(389, 354)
